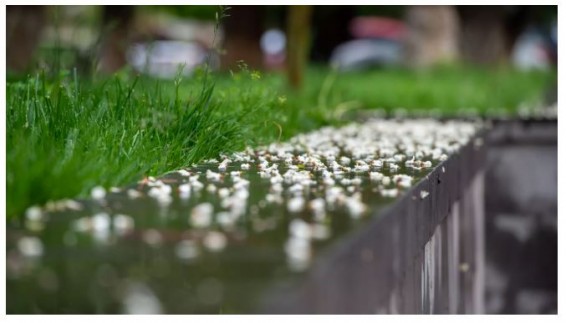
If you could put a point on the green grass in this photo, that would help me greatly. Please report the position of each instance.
(67, 135)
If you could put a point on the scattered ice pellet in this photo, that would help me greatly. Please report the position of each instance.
(390, 192)
(296, 204)
(186, 250)
(300, 229)
(214, 241)
(134, 194)
(184, 191)
(424, 194)
(98, 193)
(152, 237)
(140, 299)
(123, 223)
(73, 205)
(201, 215)
(30, 247)
(101, 221)
(34, 213)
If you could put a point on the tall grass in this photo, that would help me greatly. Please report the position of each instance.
(66, 136)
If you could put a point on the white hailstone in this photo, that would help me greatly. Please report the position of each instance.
(214, 241)
(98, 193)
(317, 206)
(242, 184)
(197, 186)
(34, 213)
(83, 224)
(133, 194)
(183, 173)
(377, 163)
(443, 169)
(356, 181)
(295, 188)
(166, 189)
(354, 206)
(212, 176)
(222, 167)
(115, 190)
(184, 191)
(399, 157)
(225, 219)
(393, 167)
(296, 204)
(390, 192)
(201, 215)
(351, 189)
(386, 180)
(211, 188)
(186, 250)
(123, 224)
(30, 247)
(427, 164)
(155, 183)
(73, 205)
(328, 181)
(162, 194)
(152, 237)
(361, 168)
(298, 253)
(277, 187)
(345, 160)
(375, 176)
(245, 166)
(443, 157)
(424, 194)
(403, 180)
(101, 221)
(300, 229)
(274, 198)
(276, 179)
(223, 192)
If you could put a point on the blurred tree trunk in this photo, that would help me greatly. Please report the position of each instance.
(432, 35)
(242, 32)
(330, 29)
(489, 32)
(298, 31)
(116, 35)
(24, 25)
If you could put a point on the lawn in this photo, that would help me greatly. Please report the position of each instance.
(67, 134)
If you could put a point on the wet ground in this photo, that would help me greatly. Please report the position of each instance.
(214, 237)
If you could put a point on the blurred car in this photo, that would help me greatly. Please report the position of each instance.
(377, 43)
(535, 49)
(166, 58)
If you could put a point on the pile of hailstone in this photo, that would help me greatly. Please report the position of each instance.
(339, 162)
